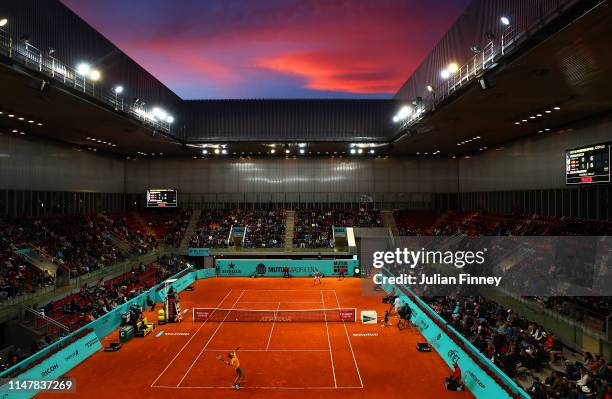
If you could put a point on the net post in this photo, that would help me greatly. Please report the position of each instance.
(355, 314)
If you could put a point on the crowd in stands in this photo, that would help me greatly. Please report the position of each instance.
(77, 245)
(11, 357)
(573, 306)
(139, 241)
(520, 347)
(17, 277)
(168, 225)
(313, 227)
(213, 229)
(590, 378)
(168, 266)
(263, 228)
(511, 342)
(589, 310)
(177, 227)
(450, 223)
(95, 300)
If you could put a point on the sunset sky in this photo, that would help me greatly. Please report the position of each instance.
(275, 48)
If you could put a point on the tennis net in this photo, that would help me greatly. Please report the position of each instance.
(302, 315)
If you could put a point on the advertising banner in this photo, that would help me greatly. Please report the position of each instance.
(205, 273)
(53, 367)
(198, 252)
(275, 267)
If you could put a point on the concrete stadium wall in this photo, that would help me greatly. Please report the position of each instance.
(533, 163)
(367, 176)
(32, 164)
(536, 162)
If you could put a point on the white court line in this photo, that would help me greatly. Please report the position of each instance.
(280, 301)
(210, 339)
(187, 343)
(248, 387)
(331, 356)
(278, 289)
(267, 350)
(272, 329)
(349, 341)
(273, 290)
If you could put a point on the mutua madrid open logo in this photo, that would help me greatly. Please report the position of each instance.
(260, 269)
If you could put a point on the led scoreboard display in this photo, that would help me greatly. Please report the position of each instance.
(159, 198)
(589, 164)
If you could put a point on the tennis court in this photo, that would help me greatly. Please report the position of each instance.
(279, 346)
(287, 347)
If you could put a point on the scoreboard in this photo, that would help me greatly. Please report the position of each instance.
(161, 197)
(589, 164)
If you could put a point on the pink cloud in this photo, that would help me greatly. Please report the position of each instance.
(342, 46)
(329, 73)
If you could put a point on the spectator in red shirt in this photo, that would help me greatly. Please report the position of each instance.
(553, 347)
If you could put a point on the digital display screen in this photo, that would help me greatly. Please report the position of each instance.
(589, 164)
(161, 197)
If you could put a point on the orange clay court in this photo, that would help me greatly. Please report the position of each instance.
(279, 359)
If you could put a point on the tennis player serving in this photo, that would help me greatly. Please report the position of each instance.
(234, 362)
